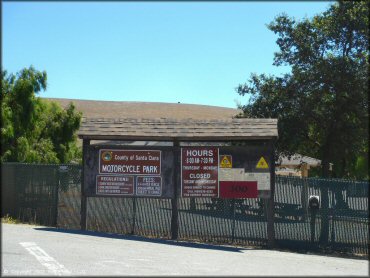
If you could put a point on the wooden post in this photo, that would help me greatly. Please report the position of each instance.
(83, 222)
(304, 170)
(174, 200)
(271, 203)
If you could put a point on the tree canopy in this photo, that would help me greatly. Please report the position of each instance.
(322, 104)
(32, 129)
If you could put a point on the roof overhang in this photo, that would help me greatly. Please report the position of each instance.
(164, 129)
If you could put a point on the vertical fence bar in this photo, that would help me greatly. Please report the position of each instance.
(134, 215)
(174, 200)
(83, 224)
(233, 225)
(332, 234)
(56, 197)
(271, 203)
(324, 216)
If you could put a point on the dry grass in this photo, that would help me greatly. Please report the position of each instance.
(9, 220)
(133, 109)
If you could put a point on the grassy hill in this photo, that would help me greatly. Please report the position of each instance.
(134, 109)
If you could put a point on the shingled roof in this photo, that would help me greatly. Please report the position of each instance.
(164, 129)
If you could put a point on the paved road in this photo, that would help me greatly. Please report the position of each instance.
(34, 250)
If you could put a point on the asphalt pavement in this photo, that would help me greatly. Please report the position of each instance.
(28, 250)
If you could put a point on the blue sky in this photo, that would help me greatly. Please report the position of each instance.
(188, 52)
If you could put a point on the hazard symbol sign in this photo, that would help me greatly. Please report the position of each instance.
(262, 164)
(226, 161)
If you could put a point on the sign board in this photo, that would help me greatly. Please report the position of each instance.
(262, 164)
(263, 180)
(114, 185)
(113, 171)
(238, 189)
(148, 186)
(199, 172)
(205, 171)
(233, 175)
(226, 161)
(137, 162)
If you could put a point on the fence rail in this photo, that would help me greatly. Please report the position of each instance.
(51, 195)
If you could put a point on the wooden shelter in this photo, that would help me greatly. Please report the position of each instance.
(260, 134)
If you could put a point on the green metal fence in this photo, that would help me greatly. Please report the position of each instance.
(29, 193)
(50, 195)
(346, 212)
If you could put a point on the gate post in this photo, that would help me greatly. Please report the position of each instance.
(174, 200)
(270, 201)
(83, 222)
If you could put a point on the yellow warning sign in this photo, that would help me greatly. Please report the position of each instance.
(226, 161)
(262, 164)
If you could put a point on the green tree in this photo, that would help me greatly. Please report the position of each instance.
(32, 129)
(322, 105)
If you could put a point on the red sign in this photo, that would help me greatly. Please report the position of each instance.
(148, 186)
(114, 185)
(238, 189)
(199, 172)
(130, 162)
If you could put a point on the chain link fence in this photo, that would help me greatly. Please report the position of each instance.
(51, 195)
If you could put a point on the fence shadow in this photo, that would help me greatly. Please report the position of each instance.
(241, 217)
(145, 239)
(344, 250)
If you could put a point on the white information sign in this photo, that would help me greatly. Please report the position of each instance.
(263, 180)
(231, 174)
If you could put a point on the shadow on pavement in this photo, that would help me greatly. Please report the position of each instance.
(144, 239)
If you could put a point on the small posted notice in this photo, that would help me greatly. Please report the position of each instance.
(263, 180)
(148, 186)
(199, 172)
(114, 185)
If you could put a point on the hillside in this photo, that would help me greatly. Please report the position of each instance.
(133, 109)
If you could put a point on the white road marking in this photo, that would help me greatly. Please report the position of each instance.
(139, 259)
(50, 263)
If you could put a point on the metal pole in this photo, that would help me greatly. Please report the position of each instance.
(270, 201)
(83, 223)
(192, 204)
(134, 216)
(56, 198)
(332, 219)
(174, 200)
(312, 224)
(233, 225)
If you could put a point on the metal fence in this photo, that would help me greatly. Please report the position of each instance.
(51, 195)
(30, 192)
